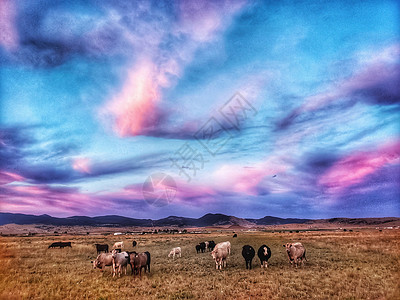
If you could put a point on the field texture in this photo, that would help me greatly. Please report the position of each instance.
(341, 265)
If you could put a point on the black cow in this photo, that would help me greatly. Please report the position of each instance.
(211, 245)
(134, 244)
(202, 247)
(118, 250)
(248, 254)
(148, 261)
(101, 247)
(60, 244)
(264, 254)
(235, 235)
(198, 248)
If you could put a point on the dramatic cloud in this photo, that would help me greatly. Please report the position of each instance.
(376, 82)
(355, 167)
(96, 96)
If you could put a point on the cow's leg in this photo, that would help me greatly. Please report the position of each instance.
(250, 263)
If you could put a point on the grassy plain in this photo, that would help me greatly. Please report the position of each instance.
(341, 265)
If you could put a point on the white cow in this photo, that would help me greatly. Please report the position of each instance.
(120, 262)
(226, 245)
(220, 255)
(118, 245)
(175, 251)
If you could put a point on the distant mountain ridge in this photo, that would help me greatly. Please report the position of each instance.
(204, 221)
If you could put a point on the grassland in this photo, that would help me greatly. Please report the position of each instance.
(341, 265)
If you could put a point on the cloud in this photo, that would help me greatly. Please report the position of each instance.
(22, 154)
(352, 169)
(375, 82)
(136, 109)
(8, 30)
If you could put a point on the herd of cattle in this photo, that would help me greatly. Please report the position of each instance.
(119, 260)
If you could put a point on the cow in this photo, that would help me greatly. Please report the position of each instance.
(175, 251)
(134, 244)
(220, 255)
(119, 261)
(139, 261)
(60, 244)
(296, 253)
(101, 247)
(226, 245)
(264, 254)
(235, 235)
(202, 247)
(211, 245)
(118, 245)
(198, 248)
(248, 254)
(103, 260)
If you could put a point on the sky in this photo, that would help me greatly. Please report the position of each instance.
(148, 109)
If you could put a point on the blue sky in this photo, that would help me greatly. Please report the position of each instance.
(97, 96)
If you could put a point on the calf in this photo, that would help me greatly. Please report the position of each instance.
(235, 235)
(134, 244)
(139, 261)
(103, 260)
(296, 253)
(264, 254)
(198, 248)
(248, 254)
(175, 251)
(120, 261)
(101, 247)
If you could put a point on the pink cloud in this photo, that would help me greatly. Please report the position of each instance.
(81, 164)
(245, 180)
(202, 19)
(8, 177)
(354, 168)
(134, 108)
(8, 31)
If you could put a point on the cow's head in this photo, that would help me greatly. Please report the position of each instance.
(287, 246)
(213, 254)
(95, 263)
(265, 251)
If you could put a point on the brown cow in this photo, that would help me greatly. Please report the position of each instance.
(103, 260)
(138, 261)
(296, 253)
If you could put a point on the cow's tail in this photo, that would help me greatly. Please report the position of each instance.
(304, 255)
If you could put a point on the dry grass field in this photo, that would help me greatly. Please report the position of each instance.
(341, 265)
